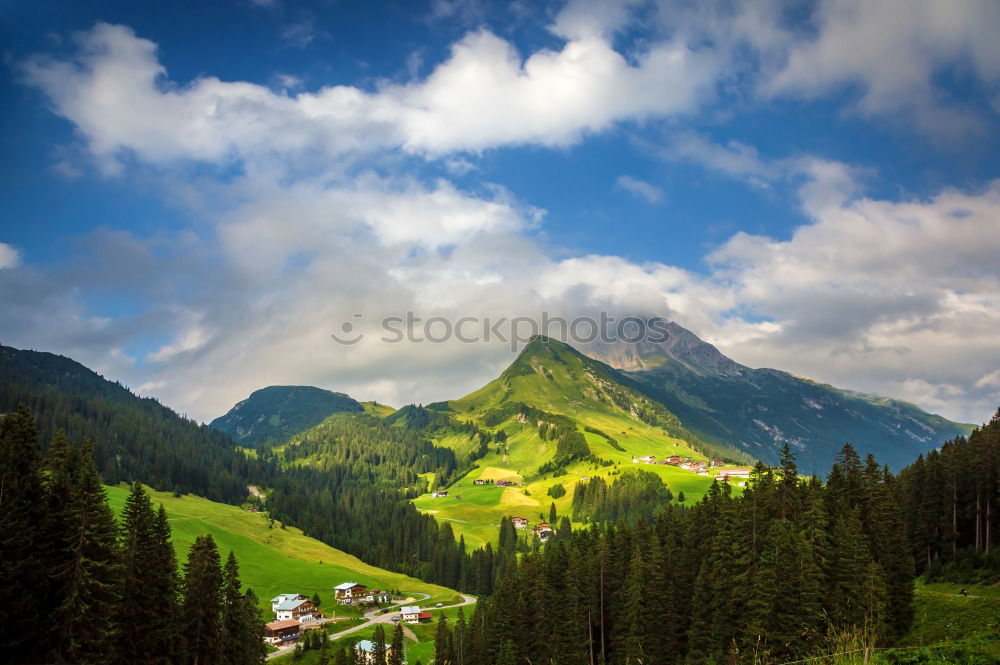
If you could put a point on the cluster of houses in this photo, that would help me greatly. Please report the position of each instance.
(352, 593)
(543, 531)
(676, 460)
(412, 614)
(291, 612)
(738, 474)
(294, 612)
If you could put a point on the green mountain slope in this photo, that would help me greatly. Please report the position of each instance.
(760, 410)
(271, 415)
(563, 417)
(272, 560)
(134, 437)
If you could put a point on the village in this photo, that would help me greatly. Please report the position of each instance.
(737, 475)
(297, 613)
(715, 468)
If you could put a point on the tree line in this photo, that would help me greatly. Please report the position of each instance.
(348, 483)
(773, 574)
(134, 438)
(952, 506)
(78, 587)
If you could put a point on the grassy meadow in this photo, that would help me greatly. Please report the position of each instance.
(274, 560)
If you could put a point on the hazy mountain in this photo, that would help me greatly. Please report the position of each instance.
(759, 410)
(272, 414)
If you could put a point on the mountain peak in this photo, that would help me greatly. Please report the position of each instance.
(681, 346)
(274, 413)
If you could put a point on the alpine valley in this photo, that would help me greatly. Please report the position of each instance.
(531, 496)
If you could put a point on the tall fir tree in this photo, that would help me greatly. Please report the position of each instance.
(88, 577)
(24, 553)
(397, 655)
(148, 607)
(201, 607)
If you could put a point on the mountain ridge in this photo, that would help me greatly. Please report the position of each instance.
(274, 413)
(759, 410)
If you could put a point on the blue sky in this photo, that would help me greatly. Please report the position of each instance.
(195, 195)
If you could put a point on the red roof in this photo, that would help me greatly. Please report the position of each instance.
(424, 615)
(281, 625)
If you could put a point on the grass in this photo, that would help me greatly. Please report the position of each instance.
(274, 560)
(945, 616)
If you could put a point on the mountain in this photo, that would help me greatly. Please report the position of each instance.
(135, 438)
(759, 410)
(554, 417)
(272, 414)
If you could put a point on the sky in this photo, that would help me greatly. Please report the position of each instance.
(194, 197)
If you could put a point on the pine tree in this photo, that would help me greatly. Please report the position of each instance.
(459, 637)
(553, 515)
(255, 653)
(163, 588)
(24, 550)
(396, 654)
(88, 578)
(147, 610)
(240, 642)
(442, 643)
(201, 608)
(379, 652)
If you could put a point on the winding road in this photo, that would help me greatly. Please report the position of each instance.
(373, 617)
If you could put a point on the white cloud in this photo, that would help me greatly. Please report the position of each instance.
(892, 297)
(892, 50)
(119, 97)
(640, 188)
(10, 256)
(735, 159)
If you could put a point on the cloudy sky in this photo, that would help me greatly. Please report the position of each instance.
(195, 195)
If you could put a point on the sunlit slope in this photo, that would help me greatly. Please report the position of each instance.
(553, 377)
(272, 560)
(617, 421)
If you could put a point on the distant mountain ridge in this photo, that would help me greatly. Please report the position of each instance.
(135, 438)
(760, 410)
(273, 414)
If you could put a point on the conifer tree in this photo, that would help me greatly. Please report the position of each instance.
(88, 577)
(396, 654)
(240, 637)
(201, 608)
(149, 583)
(442, 643)
(23, 549)
(379, 652)
(459, 637)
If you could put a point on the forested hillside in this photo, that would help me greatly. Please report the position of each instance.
(134, 438)
(78, 587)
(953, 507)
(348, 482)
(777, 573)
(271, 415)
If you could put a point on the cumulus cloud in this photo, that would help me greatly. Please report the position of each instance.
(892, 51)
(10, 256)
(896, 297)
(119, 97)
(640, 188)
